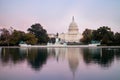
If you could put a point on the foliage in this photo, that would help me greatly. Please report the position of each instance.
(102, 31)
(87, 36)
(39, 35)
(39, 32)
(102, 34)
(52, 40)
(36, 35)
(5, 36)
(16, 37)
(30, 38)
(117, 38)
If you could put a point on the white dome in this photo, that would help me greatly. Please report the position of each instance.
(73, 28)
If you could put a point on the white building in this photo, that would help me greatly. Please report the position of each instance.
(72, 35)
(51, 35)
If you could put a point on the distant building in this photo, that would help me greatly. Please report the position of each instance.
(72, 35)
(51, 36)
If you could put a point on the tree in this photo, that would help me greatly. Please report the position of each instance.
(5, 36)
(117, 38)
(95, 35)
(39, 32)
(103, 34)
(87, 36)
(30, 38)
(102, 31)
(16, 37)
(52, 40)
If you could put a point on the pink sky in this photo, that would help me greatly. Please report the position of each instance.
(55, 16)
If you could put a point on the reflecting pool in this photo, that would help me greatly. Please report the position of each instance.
(59, 63)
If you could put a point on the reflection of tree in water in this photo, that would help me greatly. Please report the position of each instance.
(11, 54)
(104, 56)
(37, 57)
(117, 53)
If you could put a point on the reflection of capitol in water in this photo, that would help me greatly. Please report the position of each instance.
(58, 53)
(71, 54)
(73, 59)
(59, 63)
(60, 58)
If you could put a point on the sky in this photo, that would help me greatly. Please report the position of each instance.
(56, 15)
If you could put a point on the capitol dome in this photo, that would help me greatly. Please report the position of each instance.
(72, 35)
(73, 28)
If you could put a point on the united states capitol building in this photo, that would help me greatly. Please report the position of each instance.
(72, 35)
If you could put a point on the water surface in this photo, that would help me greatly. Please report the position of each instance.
(59, 63)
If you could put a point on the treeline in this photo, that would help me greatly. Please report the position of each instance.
(103, 35)
(36, 35)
